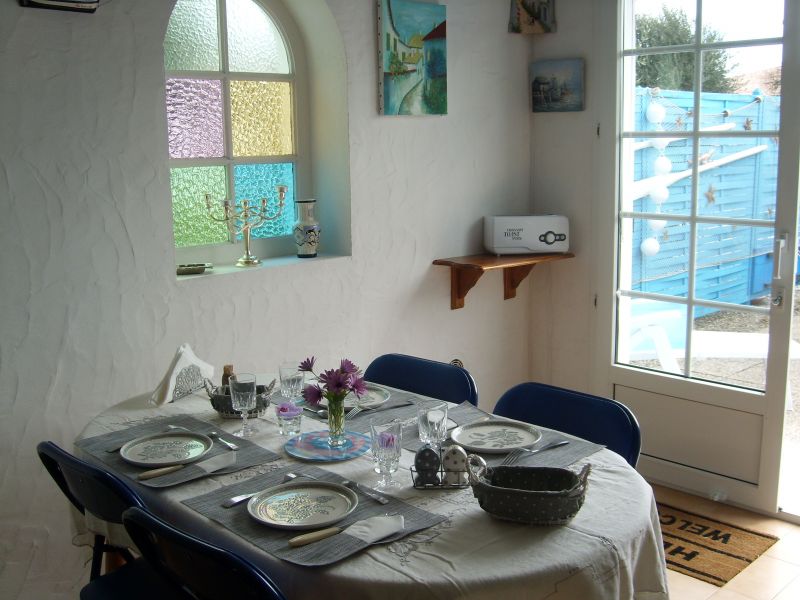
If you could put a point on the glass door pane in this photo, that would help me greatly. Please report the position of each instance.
(698, 193)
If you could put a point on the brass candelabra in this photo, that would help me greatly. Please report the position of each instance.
(242, 219)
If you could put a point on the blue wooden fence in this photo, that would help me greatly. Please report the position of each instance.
(734, 263)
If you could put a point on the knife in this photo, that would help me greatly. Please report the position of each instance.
(215, 463)
(314, 536)
(369, 492)
(369, 530)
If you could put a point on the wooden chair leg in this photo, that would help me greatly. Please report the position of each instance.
(114, 560)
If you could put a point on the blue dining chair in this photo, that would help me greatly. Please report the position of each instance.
(600, 420)
(204, 570)
(91, 488)
(425, 377)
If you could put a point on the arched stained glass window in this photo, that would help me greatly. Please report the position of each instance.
(230, 115)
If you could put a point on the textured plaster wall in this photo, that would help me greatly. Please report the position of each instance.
(91, 309)
(562, 147)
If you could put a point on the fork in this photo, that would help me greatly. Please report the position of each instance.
(518, 453)
(242, 497)
(353, 412)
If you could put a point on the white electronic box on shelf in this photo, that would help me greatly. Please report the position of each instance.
(528, 234)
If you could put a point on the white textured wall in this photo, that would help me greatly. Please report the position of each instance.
(562, 147)
(91, 309)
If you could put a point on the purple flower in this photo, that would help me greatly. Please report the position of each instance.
(312, 394)
(335, 381)
(348, 368)
(287, 410)
(387, 440)
(307, 365)
(358, 385)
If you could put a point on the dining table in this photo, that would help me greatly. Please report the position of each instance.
(611, 549)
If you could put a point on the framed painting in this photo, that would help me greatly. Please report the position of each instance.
(532, 16)
(412, 58)
(557, 85)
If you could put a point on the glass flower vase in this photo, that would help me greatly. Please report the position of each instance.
(336, 437)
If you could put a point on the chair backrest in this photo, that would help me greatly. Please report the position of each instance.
(87, 486)
(600, 420)
(205, 570)
(422, 376)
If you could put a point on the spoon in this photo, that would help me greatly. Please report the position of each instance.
(242, 497)
(216, 436)
(321, 413)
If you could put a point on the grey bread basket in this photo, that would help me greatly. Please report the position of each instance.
(533, 495)
(221, 401)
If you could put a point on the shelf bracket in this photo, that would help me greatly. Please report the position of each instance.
(461, 281)
(512, 277)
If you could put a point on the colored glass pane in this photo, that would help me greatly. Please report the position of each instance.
(190, 221)
(192, 40)
(195, 118)
(253, 182)
(261, 118)
(254, 43)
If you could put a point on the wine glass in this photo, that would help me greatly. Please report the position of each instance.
(243, 399)
(386, 446)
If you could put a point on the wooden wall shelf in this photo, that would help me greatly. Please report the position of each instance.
(466, 270)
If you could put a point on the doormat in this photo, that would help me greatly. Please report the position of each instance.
(708, 549)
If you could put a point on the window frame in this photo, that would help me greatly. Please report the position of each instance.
(226, 253)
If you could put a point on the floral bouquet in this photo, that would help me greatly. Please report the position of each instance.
(335, 385)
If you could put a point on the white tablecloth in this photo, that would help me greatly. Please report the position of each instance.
(611, 550)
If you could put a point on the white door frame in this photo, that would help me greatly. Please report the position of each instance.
(769, 406)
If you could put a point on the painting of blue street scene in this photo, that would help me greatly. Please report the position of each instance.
(557, 85)
(413, 52)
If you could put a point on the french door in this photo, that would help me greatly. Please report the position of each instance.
(705, 237)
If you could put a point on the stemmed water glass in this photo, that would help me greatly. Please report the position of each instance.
(243, 399)
(386, 446)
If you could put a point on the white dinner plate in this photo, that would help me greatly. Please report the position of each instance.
(495, 437)
(375, 396)
(166, 448)
(302, 504)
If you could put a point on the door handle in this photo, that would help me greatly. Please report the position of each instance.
(777, 253)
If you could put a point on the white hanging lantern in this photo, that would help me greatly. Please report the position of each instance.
(659, 194)
(662, 165)
(650, 246)
(656, 225)
(655, 113)
(659, 143)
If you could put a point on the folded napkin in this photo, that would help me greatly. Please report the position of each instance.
(184, 375)
(376, 528)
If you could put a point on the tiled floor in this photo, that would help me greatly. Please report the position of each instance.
(775, 575)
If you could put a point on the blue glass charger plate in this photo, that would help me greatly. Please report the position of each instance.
(314, 446)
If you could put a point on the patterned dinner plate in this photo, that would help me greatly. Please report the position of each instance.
(166, 448)
(495, 437)
(302, 504)
(314, 446)
(375, 396)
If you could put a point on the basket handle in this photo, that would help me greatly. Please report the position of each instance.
(476, 467)
(583, 478)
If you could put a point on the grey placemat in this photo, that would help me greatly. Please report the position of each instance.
(248, 454)
(399, 403)
(560, 457)
(275, 541)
